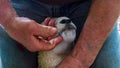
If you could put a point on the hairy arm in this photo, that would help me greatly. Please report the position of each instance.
(98, 25)
(7, 13)
(26, 31)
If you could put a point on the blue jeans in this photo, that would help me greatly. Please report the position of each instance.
(14, 56)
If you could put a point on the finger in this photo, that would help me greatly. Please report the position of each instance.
(46, 21)
(51, 23)
(56, 41)
(39, 44)
(46, 45)
(45, 31)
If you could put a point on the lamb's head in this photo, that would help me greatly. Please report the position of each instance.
(66, 28)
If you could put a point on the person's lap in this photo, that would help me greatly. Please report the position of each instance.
(11, 56)
(14, 56)
(108, 56)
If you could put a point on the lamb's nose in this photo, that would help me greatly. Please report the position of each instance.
(65, 21)
(70, 26)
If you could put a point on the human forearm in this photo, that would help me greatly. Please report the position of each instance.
(100, 21)
(98, 25)
(7, 13)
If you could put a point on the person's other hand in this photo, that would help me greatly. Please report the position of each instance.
(49, 22)
(32, 35)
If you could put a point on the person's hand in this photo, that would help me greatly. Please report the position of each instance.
(32, 35)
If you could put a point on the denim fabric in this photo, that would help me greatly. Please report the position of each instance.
(77, 12)
(108, 56)
(14, 56)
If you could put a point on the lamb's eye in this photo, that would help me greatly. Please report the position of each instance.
(65, 21)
